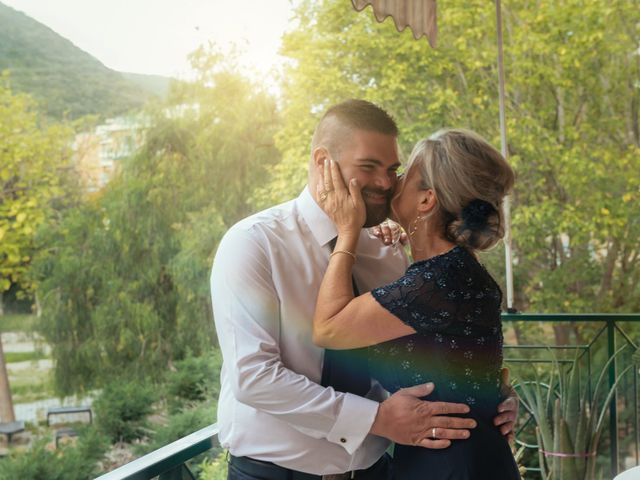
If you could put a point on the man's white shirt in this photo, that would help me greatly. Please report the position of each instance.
(264, 284)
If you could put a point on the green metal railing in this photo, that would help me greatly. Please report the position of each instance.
(169, 462)
(609, 333)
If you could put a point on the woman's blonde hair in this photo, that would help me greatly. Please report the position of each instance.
(470, 179)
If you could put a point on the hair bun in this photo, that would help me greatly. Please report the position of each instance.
(475, 215)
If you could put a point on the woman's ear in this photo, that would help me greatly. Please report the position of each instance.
(320, 154)
(428, 201)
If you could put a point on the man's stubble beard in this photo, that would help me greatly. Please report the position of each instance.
(376, 214)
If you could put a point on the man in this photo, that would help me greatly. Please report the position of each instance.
(275, 418)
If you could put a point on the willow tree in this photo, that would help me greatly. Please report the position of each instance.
(125, 277)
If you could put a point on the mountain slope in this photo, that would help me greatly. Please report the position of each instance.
(64, 79)
(155, 84)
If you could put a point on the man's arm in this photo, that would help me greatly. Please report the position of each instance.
(247, 317)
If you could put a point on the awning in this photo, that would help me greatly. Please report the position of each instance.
(419, 16)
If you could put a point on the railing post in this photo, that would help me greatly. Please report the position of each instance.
(613, 406)
(635, 412)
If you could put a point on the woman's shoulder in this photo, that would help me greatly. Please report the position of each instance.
(458, 259)
(458, 268)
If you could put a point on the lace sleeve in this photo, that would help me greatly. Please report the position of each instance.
(423, 298)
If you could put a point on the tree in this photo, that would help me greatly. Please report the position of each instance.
(34, 163)
(35, 160)
(572, 115)
(125, 278)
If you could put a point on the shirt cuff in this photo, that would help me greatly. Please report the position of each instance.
(354, 422)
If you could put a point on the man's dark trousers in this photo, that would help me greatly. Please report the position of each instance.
(241, 470)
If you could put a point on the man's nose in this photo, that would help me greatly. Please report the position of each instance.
(386, 181)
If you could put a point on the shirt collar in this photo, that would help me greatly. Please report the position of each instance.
(318, 222)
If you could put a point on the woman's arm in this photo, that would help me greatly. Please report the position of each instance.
(357, 322)
(342, 321)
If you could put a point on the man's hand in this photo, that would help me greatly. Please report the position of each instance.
(507, 410)
(407, 420)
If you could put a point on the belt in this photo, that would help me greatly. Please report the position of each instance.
(271, 471)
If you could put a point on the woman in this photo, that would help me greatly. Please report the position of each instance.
(440, 322)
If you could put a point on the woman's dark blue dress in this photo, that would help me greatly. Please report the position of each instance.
(453, 303)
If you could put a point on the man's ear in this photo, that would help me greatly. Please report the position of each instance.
(428, 201)
(320, 154)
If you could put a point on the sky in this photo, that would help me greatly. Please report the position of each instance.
(155, 36)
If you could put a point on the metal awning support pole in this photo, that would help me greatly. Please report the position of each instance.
(505, 153)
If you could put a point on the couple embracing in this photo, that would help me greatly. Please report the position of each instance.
(334, 346)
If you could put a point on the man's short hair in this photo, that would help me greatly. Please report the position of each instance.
(340, 120)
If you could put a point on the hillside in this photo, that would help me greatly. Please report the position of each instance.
(155, 84)
(63, 78)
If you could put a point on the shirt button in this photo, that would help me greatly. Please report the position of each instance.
(343, 440)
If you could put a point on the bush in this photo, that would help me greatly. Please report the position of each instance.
(122, 408)
(196, 379)
(68, 462)
(181, 425)
(214, 469)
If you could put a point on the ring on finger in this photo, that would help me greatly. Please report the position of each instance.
(433, 433)
(323, 196)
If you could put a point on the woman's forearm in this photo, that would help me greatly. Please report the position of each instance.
(336, 290)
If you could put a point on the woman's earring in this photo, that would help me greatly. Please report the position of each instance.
(414, 225)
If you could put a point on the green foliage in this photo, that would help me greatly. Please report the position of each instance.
(190, 419)
(569, 420)
(195, 379)
(124, 279)
(215, 469)
(34, 181)
(17, 323)
(636, 356)
(13, 357)
(68, 462)
(572, 116)
(66, 81)
(121, 410)
(182, 424)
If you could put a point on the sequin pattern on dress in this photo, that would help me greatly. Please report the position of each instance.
(453, 303)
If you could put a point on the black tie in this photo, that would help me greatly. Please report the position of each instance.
(346, 370)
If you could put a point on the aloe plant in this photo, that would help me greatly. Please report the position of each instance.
(569, 423)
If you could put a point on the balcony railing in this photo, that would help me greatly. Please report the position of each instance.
(606, 336)
(170, 461)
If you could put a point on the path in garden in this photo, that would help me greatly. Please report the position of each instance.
(43, 364)
(20, 342)
(37, 411)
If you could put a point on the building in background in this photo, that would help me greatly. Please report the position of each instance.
(98, 154)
